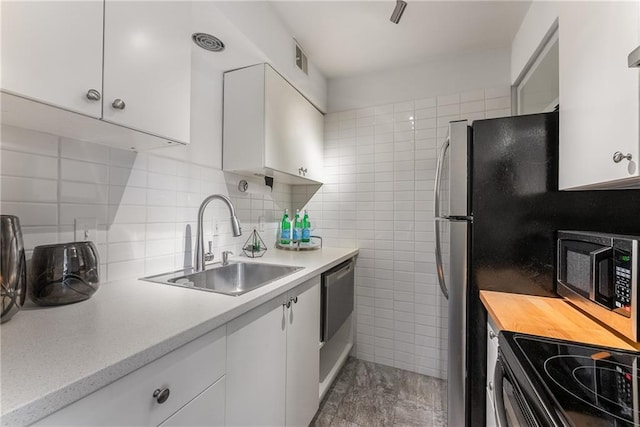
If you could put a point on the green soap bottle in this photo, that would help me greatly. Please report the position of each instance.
(285, 229)
(306, 227)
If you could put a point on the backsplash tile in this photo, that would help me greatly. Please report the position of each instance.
(401, 317)
(145, 205)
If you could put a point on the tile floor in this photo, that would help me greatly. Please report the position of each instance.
(367, 394)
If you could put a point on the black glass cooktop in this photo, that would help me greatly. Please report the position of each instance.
(585, 385)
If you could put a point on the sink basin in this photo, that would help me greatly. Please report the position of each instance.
(235, 278)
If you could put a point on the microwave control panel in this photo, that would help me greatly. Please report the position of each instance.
(622, 281)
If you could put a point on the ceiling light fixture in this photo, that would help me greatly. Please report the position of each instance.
(398, 11)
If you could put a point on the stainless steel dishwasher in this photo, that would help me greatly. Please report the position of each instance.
(337, 298)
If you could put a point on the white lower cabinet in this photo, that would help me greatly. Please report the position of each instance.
(273, 361)
(192, 377)
(256, 363)
(303, 356)
(492, 357)
(261, 369)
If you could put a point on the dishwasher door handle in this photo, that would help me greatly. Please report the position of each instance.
(338, 275)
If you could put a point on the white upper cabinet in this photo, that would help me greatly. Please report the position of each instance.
(270, 128)
(124, 62)
(52, 52)
(147, 66)
(599, 95)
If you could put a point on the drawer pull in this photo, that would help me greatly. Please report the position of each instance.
(161, 394)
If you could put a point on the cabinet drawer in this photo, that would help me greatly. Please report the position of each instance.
(205, 410)
(186, 372)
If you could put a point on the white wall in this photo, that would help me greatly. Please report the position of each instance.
(265, 29)
(455, 74)
(538, 24)
(378, 194)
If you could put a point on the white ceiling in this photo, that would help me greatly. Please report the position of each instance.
(344, 38)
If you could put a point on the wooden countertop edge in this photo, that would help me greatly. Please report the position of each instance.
(551, 318)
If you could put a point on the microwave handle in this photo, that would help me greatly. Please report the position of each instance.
(597, 256)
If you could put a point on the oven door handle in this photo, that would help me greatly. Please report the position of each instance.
(498, 395)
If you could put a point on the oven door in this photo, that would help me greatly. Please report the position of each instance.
(510, 404)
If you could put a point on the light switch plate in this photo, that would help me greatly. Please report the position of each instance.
(85, 229)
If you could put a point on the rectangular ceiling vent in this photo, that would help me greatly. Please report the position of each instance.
(301, 59)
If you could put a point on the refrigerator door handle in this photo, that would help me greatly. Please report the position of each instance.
(436, 216)
(439, 267)
(439, 166)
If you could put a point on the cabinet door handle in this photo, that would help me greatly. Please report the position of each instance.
(492, 334)
(93, 95)
(618, 156)
(161, 394)
(293, 300)
(118, 104)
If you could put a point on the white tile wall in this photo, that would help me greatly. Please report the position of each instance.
(378, 194)
(379, 177)
(144, 204)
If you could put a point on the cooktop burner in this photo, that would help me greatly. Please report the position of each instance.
(597, 381)
(586, 385)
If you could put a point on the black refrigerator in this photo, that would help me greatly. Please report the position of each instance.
(497, 209)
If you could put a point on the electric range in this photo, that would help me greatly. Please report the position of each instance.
(548, 382)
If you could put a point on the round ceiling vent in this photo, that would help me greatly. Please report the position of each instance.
(208, 42)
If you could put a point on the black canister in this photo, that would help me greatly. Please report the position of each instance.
(13, 267)
(64, 273)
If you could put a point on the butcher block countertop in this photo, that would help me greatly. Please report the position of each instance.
(549, 317)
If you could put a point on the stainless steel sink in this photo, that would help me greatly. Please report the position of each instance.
(235, 278)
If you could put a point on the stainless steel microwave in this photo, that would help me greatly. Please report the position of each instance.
(598, 273)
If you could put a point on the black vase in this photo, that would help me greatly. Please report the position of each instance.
(13, 268)
(64, 273)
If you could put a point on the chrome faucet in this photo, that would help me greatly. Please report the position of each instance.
(235, 227)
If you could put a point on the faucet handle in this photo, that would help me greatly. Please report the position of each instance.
(209, 255)
(225, 257)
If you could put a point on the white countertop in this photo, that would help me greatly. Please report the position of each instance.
(53, 356)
